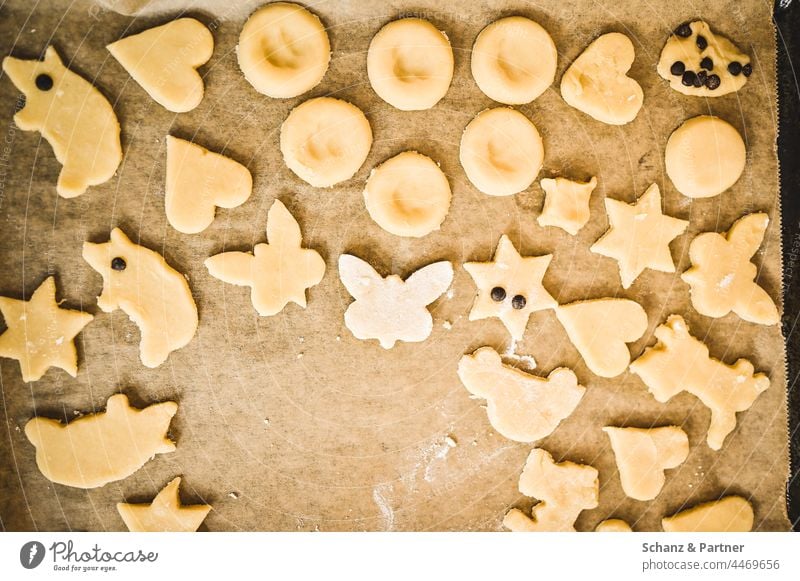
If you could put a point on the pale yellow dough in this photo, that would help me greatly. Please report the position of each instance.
(564, 489)
(277, 272)
(599, 329)
(732, 514)
(408, 195)
(639, 236)
(198, 181)
(704, 157)
(642, 455)
(74, 117)
(566, 203)
(410, 64)
(154, 295)
(283, 50)
(39, 334)
(501, 152)
(521, 406)
(722, 278)
(597, 83)
(165, 514)
(613, 525)
(517, 276)
(103, 447)
(164, 59)
(514, 60)
(391, 309)
(325, 141)
(679, 362)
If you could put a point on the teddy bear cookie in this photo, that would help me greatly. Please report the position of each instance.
(700, 63)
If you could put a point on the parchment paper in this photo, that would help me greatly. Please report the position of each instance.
(289, 422)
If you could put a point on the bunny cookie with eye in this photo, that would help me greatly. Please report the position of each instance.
(72, 115)
(391, 309)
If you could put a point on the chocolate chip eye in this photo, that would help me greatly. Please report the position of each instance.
(498, 294)
(44, 82)
(684, 30)
(735, 68)
(707, 64)
(702, 43)
(518, 302)
(677, 68)
(118, 263)
(712, 82)
(688, 78)
(747, 70)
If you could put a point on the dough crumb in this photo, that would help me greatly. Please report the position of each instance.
(234, 495)
(447, 325)
(451, 441)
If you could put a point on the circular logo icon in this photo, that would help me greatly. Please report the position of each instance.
(31, 554)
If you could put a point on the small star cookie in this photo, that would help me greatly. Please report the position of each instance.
(639, 236)
(277, 272)
(165, 514)
(510, 287)
(40, 334)
(566, 203)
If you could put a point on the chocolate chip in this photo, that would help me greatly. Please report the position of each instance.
(498, 294)
(700, 80)
(518, 302)
(735, 68)
(44, 82)
(712, 82)
(677, 68)
(747, 70)
(684, 30)
(118, 263)
(702, 43)
(688, 78)
(707, 64)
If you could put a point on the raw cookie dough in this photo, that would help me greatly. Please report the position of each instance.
(501, 152)
(283, 50)
(514, 60)
(613, 525)
(103, 447)
(679, 362)
(638, 236)
(722, 278)
(521, 406)
(277, 272)
(410, 64)
(732, 514)
(408, 195)
(198, 181)
(39, 334)
(74, 117)
(566, 203)
(325, 141)
(698, 62)
(154, 295)
(510, 287)
(391, 309)
(597, 84)
(704, 157)
(165, 514)
(599, 329)
(164, 59)
(642, 455)
(564, 489)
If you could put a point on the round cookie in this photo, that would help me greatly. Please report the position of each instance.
(514, 60)
(501, 152)
(410, 64)
(325, 141)
(408, 195)
(283, 50)
(704, 157)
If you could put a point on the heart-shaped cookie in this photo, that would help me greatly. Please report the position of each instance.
(163, 61)
(600, 329)
(597, 83)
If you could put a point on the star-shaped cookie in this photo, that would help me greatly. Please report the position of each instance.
(510, 287)
(40, 334)
(639, 236)
(165, 514)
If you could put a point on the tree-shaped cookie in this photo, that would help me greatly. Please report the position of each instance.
(391, 309)
(521, 406)
(564, 489)
(165, 514)
(722, 278)
(510, 287)
(566, 203)
(99, 448)
(279, 271)
(679, 362)
(732, 514)
(41, 335)
(642, 455)
(639, 236)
